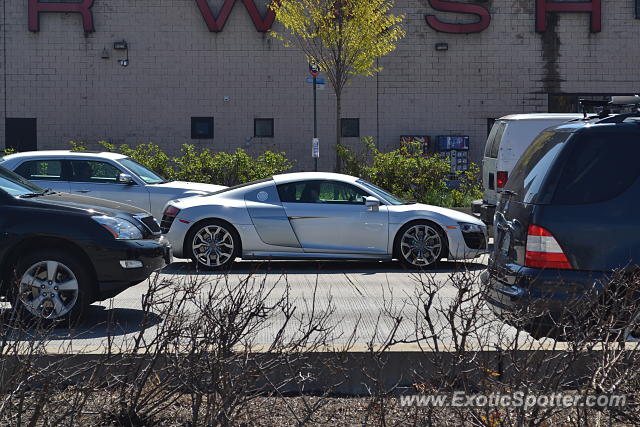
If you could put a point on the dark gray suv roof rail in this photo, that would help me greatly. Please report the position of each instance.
(619, 118)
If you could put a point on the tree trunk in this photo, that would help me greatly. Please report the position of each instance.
(338, 131)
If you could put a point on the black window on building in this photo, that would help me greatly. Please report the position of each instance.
(563, 103)
(21, 134)
(201, 127)
(637, 9)
(263, 128)
(350, 128)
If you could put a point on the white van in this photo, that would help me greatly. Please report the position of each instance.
(508, 139)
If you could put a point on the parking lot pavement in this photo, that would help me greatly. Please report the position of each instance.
(362, 296)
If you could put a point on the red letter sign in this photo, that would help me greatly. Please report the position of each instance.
(594, 7)
(217, 24)
(83, 8)
(447, 6)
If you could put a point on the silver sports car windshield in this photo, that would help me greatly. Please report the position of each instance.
(380, 192)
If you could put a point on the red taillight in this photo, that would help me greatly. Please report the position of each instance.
(502, 179)
(171, 211)
(543, 250)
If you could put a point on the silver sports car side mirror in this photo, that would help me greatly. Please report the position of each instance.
(372, 203)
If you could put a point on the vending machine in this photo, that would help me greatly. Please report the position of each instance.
(454, 149)
(413, 140)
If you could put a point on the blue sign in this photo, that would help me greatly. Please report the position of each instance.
(319, 80)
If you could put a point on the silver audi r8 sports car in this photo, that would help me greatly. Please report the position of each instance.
(312, 215)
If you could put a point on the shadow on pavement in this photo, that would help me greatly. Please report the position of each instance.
(321, 267)
(99, 322)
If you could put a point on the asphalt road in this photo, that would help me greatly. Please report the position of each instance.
(365, 302)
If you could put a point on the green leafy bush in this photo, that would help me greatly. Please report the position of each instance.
(201, 165)
(407, 173)
(78, 146)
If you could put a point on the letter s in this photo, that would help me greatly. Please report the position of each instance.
(449, 6)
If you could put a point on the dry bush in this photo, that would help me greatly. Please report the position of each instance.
(463, 347)
(218, 350)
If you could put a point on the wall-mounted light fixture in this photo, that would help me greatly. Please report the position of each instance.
(122, 45)
(104, 54)
(442, 46)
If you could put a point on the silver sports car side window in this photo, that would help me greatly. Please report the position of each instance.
(329, 192)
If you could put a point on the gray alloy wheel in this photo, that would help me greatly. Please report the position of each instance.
(420, 245)
(48, 290)
(214, 245)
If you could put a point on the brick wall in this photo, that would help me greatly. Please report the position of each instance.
(178, 69)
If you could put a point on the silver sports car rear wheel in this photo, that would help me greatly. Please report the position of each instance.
(420, 245)
(213, 244)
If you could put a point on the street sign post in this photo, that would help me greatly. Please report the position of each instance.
(314, 70)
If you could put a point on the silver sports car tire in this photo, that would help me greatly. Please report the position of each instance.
(420, 244)
(213, 244)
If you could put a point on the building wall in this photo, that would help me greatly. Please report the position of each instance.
(178, 69)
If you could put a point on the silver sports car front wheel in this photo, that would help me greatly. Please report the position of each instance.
(420, 245)
(213, 244)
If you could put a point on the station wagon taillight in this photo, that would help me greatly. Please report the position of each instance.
(502, 179)
(543, 250)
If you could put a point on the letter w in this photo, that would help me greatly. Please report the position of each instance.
(216, 24)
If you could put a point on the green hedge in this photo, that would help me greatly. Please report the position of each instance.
(203, 165)
(405, 172)
(409, 174)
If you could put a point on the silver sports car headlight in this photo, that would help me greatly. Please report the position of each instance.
(466, 227)
(121, 229)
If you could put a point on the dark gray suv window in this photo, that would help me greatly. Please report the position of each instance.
(599, 167)
(530, 172)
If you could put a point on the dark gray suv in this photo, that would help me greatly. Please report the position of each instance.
(567, 218)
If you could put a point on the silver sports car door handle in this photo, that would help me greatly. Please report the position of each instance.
(82, 191)
(307, 217)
